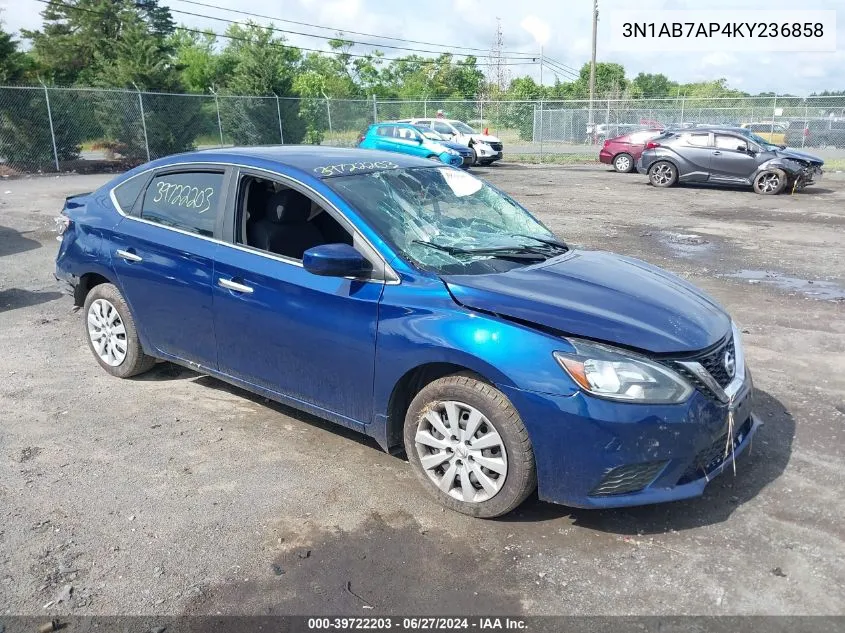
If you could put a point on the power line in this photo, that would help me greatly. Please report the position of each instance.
(329, 28)
(282, 45)
(555, 66)
(562, 65)
(324, 37)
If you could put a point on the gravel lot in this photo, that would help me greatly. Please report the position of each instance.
(175, 493)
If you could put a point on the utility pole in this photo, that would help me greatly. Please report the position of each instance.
(591, 123)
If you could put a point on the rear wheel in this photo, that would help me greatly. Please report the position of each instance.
(468, 447)
(770, 182)
(111, 333)
(663, 174)
(623, 163)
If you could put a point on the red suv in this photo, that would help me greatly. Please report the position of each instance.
(623, 151)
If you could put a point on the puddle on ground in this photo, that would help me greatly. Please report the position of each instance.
(685, 244)
(826, 290)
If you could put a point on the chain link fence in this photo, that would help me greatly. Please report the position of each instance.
(49, 129)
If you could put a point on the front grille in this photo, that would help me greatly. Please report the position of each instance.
(497, 147)
(713, 361)
(625, 479)
(709, 459)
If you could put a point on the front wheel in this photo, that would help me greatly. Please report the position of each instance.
(111, 333)
(663, 174)
(770, 182)
(468, 447)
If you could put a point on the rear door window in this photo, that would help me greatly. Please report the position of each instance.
(385, 130)
(186, 200)
(698, 140)
(127, 192)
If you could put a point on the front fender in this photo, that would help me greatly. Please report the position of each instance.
(420, 323)
(789, 165)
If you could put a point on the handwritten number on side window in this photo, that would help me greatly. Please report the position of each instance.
(185, 196)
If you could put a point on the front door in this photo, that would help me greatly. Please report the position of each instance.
(730, 160)
(164, 260)
(306, 337)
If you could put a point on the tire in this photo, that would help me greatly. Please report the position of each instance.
(623, 163)
(466, 399)
(663, 174)
(770, 182)
(474, 157)
(122, 356)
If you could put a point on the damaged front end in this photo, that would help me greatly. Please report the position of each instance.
(800, 172)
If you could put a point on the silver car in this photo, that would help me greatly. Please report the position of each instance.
(727, 156)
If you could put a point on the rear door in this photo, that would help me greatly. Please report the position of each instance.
(730, 160)
(695, 148)
(164, 260)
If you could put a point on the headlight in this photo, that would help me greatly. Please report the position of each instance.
(616, 374)
(452, 152)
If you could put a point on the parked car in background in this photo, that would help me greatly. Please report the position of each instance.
(486, 148)
(824, 133)
(414, 303)
(624, 151)
(729, 156)
(777, 133)
(412, 140)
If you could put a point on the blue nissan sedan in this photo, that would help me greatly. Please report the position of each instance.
(410, 301)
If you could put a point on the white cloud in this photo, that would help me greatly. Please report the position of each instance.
(539, 29)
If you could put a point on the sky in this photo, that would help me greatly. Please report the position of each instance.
(564, 25)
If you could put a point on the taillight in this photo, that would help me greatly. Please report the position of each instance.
(62, 225)
(606, 142)
(652, 145)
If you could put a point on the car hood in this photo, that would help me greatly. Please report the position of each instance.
(794, 153)
(455, 146)
(485, 138)
(600, 296)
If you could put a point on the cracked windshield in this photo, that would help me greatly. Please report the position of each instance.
(447, 221)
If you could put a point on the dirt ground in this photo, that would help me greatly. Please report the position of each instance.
(175, 493)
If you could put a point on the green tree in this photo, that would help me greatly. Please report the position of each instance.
(78, 37)
(196, 61)
(255, 62)
(652, 85)
(14, 64)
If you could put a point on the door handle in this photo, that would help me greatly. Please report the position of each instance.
(717, 153)
(233, 285)
(129, 257)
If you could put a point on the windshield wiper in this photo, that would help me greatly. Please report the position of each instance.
(549, 242)
(518, 251)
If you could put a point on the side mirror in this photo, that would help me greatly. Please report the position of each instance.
(335, 260)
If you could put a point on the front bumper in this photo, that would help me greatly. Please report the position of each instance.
(452, 159)
(590, 452)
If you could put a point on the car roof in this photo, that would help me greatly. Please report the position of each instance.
(316, 160)
(707, 128)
